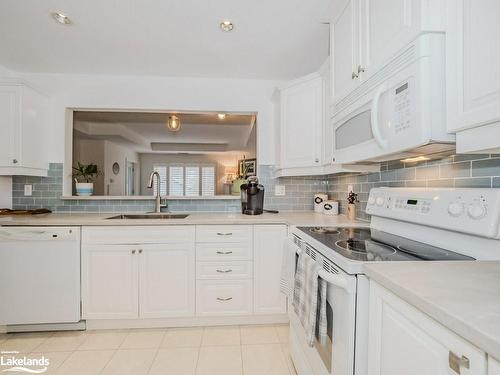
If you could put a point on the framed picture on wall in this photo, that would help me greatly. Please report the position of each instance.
(247, 167)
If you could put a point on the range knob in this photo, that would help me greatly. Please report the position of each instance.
(371, 200)
(379, 201)
(456, 209)
(476, 211)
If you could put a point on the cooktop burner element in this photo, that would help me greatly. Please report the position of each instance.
(324, 230)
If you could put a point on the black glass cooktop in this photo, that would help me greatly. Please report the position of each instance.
(369, 245)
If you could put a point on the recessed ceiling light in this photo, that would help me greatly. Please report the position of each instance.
(61, 18)
(226, 26)
(221, 116)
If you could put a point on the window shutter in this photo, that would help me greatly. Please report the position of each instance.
(162, 170)
(208, 180)
(176, 178)
(192, 180)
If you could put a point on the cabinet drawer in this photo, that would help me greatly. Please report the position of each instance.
(221, 297)
(224, 270)
(224, 251)
(224, 233)
(137, 234)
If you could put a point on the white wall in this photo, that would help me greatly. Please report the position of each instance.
(5, 181)
(154, 93)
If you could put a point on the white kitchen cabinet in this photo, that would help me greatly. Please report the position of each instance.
(110, 284)
(345, 50)
(138, 272)
(366, 34)
(473, 74)
(24, 129)
(405, 341)
(268, 254)
(301, 122)
(493, 366)
(166, 280)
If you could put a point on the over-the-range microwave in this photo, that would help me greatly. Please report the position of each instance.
(400, 111)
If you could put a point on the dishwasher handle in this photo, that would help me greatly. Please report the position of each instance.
(36, 234)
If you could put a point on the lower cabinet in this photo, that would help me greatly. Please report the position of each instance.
(268, 241)
(130, 281)
(405, 341)
(163, 273)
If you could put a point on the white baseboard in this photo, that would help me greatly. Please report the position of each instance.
(186, 322)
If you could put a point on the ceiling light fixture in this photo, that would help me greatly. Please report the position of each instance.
(61, 18)
(173, 123)
(226, 26)
(221, 116)
(415, 159)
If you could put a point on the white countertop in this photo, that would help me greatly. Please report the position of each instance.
(463, 296)
(306, 218)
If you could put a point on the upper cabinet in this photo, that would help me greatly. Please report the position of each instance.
(365, 34)
(23, 125)
(301, 121)
(473, 74)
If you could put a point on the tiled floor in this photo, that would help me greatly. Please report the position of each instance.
(231, 350)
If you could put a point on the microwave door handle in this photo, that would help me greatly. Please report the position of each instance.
(374, 117)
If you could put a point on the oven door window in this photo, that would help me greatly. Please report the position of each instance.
(354, 131)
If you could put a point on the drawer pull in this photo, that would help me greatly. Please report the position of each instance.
(224, 271)
(224, 299)
(224, 234)
(456, 362)
(224, 252)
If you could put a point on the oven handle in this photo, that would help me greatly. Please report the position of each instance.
(336, 280)
(374, 117)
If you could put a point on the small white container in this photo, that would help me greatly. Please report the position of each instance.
(331, 207)
(319, 200)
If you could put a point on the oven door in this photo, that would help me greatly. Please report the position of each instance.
(336, 355)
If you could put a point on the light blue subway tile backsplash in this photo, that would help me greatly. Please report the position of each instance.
(455, 171)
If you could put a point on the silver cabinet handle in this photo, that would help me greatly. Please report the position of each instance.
(14, 161)
(354, 75)
(224, 299)
(224, 234)
(133, 251)
(224, 252)
(140, 251)
(225, 271)
(316, 160)
(456, 362)
(360, 69)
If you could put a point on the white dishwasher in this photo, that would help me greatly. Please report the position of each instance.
(39, 275)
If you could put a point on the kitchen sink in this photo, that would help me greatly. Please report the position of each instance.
(152, 216)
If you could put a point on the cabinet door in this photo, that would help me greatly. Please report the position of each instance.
(345, 51)
(405, 341)
(268, 255)
(10, 125)
(386, 27)
(109, 281)
(472, 63)
(493, 366)
(167, 280)
(301, 123)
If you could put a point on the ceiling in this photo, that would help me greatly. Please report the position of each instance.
(146, 132)
(278, 39)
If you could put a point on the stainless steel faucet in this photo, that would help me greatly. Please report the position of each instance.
(158, 205)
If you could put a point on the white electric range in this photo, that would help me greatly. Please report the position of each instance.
(408, 224)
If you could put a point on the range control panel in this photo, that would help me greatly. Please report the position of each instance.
(474, 211)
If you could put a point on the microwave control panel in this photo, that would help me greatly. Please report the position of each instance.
(402, 107)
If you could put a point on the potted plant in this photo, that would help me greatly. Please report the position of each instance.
(84, 176)
(352, 198)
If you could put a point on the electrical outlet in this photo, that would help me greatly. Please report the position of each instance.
(350, 188)
(279, 190)
(28, 190)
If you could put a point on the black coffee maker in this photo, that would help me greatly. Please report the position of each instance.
(252, 197)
